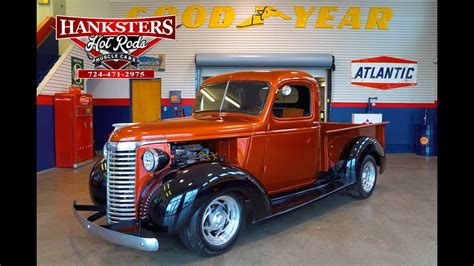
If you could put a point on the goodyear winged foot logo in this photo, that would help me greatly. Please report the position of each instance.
(115, 43)
(260, 14)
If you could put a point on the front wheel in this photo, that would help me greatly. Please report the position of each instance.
(215, 227)
(366, 179)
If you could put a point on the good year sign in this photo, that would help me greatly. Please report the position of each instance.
(384, 72)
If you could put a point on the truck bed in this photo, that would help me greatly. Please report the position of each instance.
(334, 136)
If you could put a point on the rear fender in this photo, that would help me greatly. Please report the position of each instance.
(173, 202)
(354, 152)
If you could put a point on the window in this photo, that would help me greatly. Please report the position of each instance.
(233, 96)
(210, 97)
(296, 102)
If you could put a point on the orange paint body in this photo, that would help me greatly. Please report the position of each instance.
(281, 153)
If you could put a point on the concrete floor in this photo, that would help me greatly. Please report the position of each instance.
(396, 225)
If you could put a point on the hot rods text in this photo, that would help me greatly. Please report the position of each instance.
(122, 43)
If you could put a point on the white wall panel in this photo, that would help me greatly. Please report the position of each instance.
(412, 34)
(109, 88)
(60, 81)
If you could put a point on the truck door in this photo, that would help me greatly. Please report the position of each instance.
(293, 132)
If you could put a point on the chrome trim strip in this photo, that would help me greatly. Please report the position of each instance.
(120, 125)
(140, 243)
(121, 178)
(146, 142)
(107, 176)
(118, 205)
(111, 180)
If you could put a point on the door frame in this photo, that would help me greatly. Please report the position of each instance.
(130, 95)
(312, 125)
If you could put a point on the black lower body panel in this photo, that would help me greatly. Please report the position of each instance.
(289, 201)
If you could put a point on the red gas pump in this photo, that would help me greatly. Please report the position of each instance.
(73, 128)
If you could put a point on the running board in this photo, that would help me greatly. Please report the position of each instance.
(287, 203)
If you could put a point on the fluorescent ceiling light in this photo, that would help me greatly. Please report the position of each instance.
(208, 96)
(232, 102)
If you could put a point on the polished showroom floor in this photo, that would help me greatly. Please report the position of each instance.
(396, 225)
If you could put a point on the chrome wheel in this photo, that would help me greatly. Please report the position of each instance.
(221, 220)
(368, 176)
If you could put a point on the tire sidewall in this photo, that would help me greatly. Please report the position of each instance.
(362, 192)
(231, 242)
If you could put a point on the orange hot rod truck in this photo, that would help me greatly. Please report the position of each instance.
(254, 140)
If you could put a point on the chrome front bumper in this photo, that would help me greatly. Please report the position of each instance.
(109, 232)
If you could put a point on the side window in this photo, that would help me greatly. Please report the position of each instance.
(292, 101)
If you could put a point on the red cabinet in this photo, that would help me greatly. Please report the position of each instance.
(73, 129)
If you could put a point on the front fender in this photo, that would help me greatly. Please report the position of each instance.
(174, 201)
(97, 183)
(355, 152)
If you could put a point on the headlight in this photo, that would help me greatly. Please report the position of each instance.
(155, 159)
(150, 160)
(104, 151)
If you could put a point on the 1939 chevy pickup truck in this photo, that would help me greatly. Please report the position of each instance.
(254, 140)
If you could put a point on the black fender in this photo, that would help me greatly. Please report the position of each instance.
(355, 151)
(173, 201)
(98, 183)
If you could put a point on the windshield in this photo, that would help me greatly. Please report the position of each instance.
(233, 96)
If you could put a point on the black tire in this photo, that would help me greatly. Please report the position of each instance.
(357, 190)
(192, 234)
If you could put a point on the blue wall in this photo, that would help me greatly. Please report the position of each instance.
(169, 113)
(46, 56)
(104, 117)
(399, 134)
(45, 148)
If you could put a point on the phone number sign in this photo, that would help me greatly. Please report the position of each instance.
(116, 74)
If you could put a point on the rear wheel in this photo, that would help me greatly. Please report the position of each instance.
(366, 179)
(215, 227)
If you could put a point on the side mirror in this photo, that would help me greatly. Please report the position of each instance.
(286, 90)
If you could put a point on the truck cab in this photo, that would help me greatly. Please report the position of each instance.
(254, 140)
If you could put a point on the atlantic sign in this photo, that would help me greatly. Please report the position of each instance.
(384, 72)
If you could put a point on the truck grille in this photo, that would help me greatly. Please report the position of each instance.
(120, 182)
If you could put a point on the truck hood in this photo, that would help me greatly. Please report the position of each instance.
(196, 127)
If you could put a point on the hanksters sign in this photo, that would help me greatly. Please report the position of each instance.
(115, 43)
(194, 16)
(384, 72)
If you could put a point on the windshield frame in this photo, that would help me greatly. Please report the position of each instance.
(227, 82)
